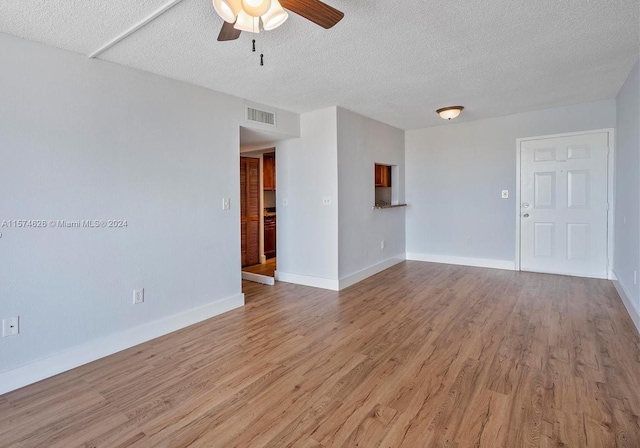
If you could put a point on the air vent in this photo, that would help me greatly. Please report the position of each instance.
(261, 116)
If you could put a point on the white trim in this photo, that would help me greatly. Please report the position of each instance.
(308, 280)
(518, 200)
(108, 345)
(634, 313)
(566, 134)
(508, 265)
(611, 185)
(610, 188)
(356, 277)
(569, 274)
(258, 278)
(122, 36)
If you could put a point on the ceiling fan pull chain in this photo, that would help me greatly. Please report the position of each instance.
(254, 46)
(261, 60)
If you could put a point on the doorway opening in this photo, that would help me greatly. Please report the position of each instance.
(258, 216)
(258, 197)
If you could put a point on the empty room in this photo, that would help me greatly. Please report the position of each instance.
(319, 223)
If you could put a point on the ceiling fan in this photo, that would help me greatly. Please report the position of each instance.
(246, 15)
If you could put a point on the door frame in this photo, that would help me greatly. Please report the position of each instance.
(610, 189)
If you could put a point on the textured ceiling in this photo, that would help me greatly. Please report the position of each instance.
(394, 61)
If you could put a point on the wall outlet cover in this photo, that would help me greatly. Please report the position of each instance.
(10, 326)
(505, 194)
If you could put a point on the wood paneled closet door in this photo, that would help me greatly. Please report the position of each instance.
(250, 210)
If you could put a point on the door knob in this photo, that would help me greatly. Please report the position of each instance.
(526, 215)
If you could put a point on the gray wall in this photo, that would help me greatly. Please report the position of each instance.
(362, 142)
(86, 139)
(627, 192)
(334, 158)
(307, 171)
(455, 174)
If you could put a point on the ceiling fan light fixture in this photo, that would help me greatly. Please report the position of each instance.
(450, 112)
(227, 9)
(275, 17)
(247, 23)
(256, 8)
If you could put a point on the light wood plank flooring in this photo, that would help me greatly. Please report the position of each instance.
(421, 355)
(267, 268)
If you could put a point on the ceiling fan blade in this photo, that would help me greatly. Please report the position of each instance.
(314, 10)
(228, 32)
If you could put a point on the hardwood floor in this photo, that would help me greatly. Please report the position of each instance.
(421, 355)
(268, 268)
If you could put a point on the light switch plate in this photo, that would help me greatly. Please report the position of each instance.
(226, 203)
(505, 194)
(138, 296)
(285, 202)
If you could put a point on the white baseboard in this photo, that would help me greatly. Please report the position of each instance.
(264, 279)
(108, 345)
(634, 313)
(308, 280)
(464, 261)
(356, 277)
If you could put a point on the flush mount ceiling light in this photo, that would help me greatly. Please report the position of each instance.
(249, 15)
(450, 112)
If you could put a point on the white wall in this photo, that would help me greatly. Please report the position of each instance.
(362, 142)
(85, 139)
(627, 190)
(307, 230)
(455, 173)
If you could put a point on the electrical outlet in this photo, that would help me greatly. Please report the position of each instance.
(382, 244)
(285, 202)
(138, 296)
(10, 326)
(326, 200)
(469, 241)
(226, 203)
(505, 194)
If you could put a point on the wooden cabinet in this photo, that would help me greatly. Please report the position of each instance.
(382, 175)
(269, 236)
(269, 171)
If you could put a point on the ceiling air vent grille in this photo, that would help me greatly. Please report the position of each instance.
(261, 116)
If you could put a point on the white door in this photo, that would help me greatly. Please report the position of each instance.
(563, 206)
